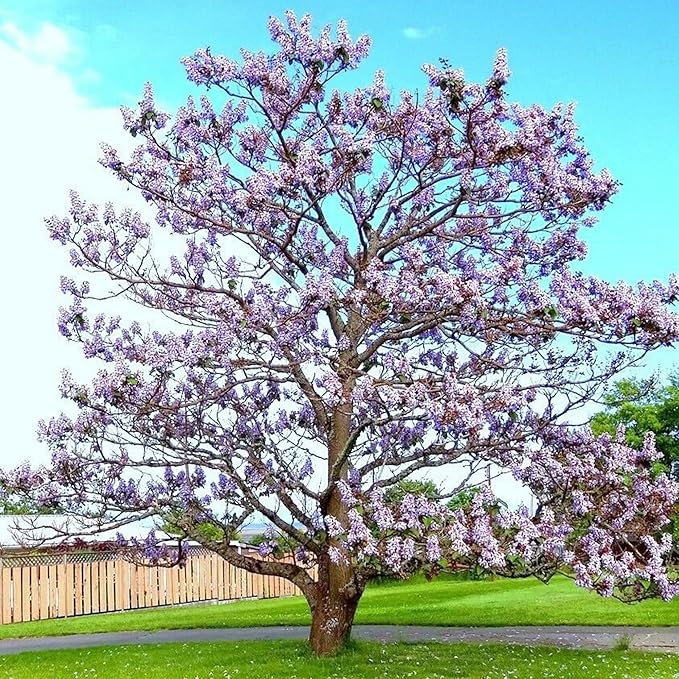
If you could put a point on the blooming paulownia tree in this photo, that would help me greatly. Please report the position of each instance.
(365, 285)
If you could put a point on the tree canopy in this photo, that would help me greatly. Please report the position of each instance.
(354, 286)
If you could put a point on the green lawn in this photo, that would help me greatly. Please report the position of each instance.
(445, 601)
(291, 660)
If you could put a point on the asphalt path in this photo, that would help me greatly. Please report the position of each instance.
(659, 639)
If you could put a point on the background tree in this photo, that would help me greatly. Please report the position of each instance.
(395, 494)
(16, 504)
(640, 407)
(363, 285)
(643, 406)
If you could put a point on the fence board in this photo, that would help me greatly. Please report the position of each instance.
(109, 568)
(57, 577)
(221, 580)
(200, 563)
(176, 578)
(145, 600)
(182, 584)
(172, 585)
(97, 585)
(166, 591)
(154, 586)
(44, 601)
(205, 566)
(157, 586)
(79, 587)
(88, 599)
(228, 581)
(24, 593)
(185, 582)
(7, 595)
(195, 580)
(240, 578)
(209, 577)
(141, 587)
(152, 598)
(119, 598)
(234, 588)
(66, 595)
(240, 590)
(15, 578)
(125, 584)
(34, 606)
(212, 570)
(102, 584)
(134, 587)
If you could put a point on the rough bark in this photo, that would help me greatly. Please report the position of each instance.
(334, 598)
(333, 606)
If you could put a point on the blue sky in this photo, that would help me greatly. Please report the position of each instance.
(66, 65)
(617, 59)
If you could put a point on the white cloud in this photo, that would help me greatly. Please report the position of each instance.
(50, 145)
(49, 43)
(413, 33)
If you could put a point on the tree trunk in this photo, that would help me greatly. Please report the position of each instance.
(334, 597)
(333, 606)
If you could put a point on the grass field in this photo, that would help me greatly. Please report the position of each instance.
(291, 660)
(445, 601)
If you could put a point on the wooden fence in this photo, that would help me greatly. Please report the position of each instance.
(64, 586)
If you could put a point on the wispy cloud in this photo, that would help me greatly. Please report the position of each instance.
(414, 33)
(52, 46)
(48, 44)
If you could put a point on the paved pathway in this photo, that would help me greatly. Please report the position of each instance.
(664, 639)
